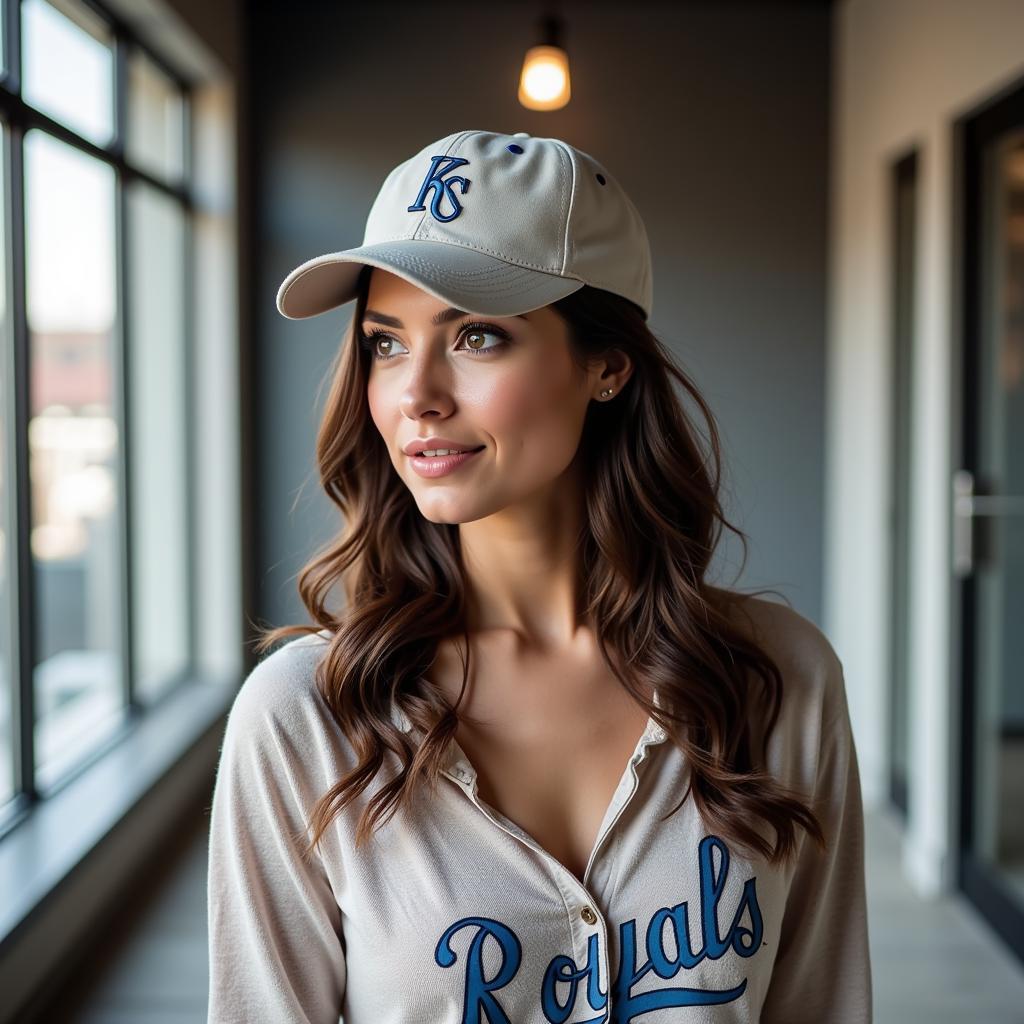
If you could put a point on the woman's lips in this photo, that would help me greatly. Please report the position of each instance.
(440, 465)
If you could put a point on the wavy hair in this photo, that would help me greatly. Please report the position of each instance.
(659, 624)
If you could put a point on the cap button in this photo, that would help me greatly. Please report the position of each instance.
(520, 135)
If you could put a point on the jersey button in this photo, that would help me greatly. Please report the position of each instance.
(588, 915)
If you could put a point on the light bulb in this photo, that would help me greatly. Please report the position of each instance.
(544, 81)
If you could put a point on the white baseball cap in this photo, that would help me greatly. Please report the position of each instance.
(490, 223)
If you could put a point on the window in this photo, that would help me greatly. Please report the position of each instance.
(96, 580)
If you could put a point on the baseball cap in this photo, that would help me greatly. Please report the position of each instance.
(490, 223)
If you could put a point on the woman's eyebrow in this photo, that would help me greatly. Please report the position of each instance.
(446, 315)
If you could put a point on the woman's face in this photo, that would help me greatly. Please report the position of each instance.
(508, 384)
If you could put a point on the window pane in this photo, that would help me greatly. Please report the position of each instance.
(68, 66)
(157, 418)
(155, 111)
(73, 450)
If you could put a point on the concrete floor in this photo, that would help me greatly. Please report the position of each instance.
(935, 962)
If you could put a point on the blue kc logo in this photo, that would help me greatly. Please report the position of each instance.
(442, 186)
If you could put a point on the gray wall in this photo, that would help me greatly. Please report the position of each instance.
(714, 116)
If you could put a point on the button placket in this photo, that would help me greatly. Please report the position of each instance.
(585, 915)
(630, 783)
(577, 899)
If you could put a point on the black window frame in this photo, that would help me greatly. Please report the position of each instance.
(17, 118)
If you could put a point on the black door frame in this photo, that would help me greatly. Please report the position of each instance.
(904, 220)
(990, 894)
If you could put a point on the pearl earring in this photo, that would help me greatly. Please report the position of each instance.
(606, 392)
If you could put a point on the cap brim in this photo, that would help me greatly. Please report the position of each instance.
(465, 278)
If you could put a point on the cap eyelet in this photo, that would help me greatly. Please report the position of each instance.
(514, 148)
(600, 178)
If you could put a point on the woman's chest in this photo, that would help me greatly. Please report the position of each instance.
(555, 779)
(549, 746)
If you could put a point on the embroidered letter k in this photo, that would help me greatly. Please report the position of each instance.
(442, 187)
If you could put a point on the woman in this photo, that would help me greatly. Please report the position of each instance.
(534, 767)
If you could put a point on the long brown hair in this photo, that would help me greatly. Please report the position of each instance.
(651, 522)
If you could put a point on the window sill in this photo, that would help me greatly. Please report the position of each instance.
(62, 865)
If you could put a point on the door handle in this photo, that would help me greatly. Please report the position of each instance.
(966, 507)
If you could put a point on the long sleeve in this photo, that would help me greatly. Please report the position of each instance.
(275, 949)
(822, 971)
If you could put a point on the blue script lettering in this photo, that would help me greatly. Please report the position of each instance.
(442, 186)
(478, 988)
(626, 1006)
(563, 970)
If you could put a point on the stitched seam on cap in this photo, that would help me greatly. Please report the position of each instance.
(408, 260)
(490, 252)
(572, 198)
(489, 286)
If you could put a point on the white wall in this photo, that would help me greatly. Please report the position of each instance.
(903, 73)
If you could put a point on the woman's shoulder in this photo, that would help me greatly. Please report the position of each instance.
(281, 749)
(814, 687)
(281, 690)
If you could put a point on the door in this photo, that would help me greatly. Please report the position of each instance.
(988, 517)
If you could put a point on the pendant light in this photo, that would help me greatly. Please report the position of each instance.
(544, 80)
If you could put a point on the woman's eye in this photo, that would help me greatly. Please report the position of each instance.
(473, 335)
(474, 345)
(374, 340)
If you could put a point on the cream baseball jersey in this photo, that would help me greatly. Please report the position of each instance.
(455, 915)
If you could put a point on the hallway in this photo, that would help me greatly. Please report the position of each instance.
(932, 963)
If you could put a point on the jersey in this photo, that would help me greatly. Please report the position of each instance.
(453, 914)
